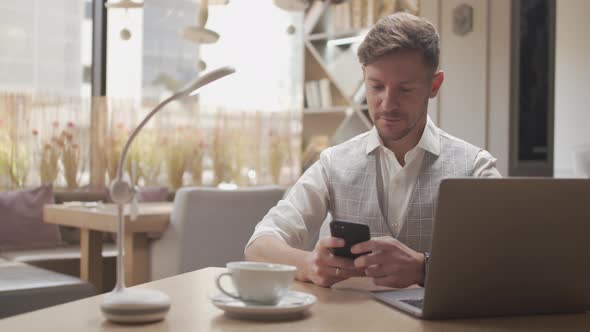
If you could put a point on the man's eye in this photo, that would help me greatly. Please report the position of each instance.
(377, 87)
(406, 90)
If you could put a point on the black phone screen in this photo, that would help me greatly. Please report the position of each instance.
(352, 233)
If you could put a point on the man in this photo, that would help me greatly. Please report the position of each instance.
(387, 178)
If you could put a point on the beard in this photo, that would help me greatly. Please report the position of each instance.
(401, 117)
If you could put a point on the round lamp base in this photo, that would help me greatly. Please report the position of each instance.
(135, 306)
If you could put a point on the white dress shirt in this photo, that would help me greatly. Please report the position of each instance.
(298, 217)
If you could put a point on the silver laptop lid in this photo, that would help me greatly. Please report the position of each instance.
(509, 246)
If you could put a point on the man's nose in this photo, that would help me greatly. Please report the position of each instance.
(390, 99)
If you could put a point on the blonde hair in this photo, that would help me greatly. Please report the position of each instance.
(400, 32)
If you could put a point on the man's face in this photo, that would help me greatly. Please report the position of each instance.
(398, 88)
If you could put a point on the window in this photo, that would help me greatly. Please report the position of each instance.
(533, 81)
(44, 46)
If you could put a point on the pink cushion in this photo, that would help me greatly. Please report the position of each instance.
(21, 225)
(152, 194)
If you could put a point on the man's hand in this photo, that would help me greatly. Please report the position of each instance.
(390, 263)
(324, 269)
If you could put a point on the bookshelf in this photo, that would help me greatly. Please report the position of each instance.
(335, 108)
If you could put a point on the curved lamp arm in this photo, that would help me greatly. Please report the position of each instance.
(141, 305)
(121, 192)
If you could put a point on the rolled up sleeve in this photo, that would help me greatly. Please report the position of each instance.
(298, 218)
(484, 166)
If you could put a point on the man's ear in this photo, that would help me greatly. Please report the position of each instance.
(437, 81)
(363, 68)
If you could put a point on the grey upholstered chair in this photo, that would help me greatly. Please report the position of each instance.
(209, 227)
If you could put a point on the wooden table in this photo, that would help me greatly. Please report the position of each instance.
(336, 310)
(92, 222)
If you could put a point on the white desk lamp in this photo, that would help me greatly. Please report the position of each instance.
(130, 305)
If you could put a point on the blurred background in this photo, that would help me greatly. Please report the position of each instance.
(76, 76)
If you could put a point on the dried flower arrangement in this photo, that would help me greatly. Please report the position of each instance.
(236, 156)
(198, 147)
(132, 164)
(220, 162)
(14, 161)
(49, 154)
(144, 158)
(116, 140)
(148, 156)
(70, 156)
(277, 152)
(14, 155)
(240, 146)
(57, 148)
(176, 153)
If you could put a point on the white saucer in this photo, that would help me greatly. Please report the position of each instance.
(292, 305)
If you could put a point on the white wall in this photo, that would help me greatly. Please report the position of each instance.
(474, 102)
(431, 11)
(498, 111)
(572, 82)
(464, 59)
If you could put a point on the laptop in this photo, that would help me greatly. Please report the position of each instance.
(501, 247)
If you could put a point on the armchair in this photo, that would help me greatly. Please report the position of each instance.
(209, 227)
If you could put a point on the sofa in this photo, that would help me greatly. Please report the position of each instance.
(24, 288)
(61, 254)
(43, 267)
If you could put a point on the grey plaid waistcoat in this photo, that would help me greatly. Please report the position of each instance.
(353, 192)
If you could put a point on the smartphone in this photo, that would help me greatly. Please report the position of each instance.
(352, 233)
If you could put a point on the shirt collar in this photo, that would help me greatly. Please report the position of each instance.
(430, 140)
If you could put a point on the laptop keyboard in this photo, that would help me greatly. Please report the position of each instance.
(414, 302)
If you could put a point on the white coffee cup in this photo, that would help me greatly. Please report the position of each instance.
(262, 283)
